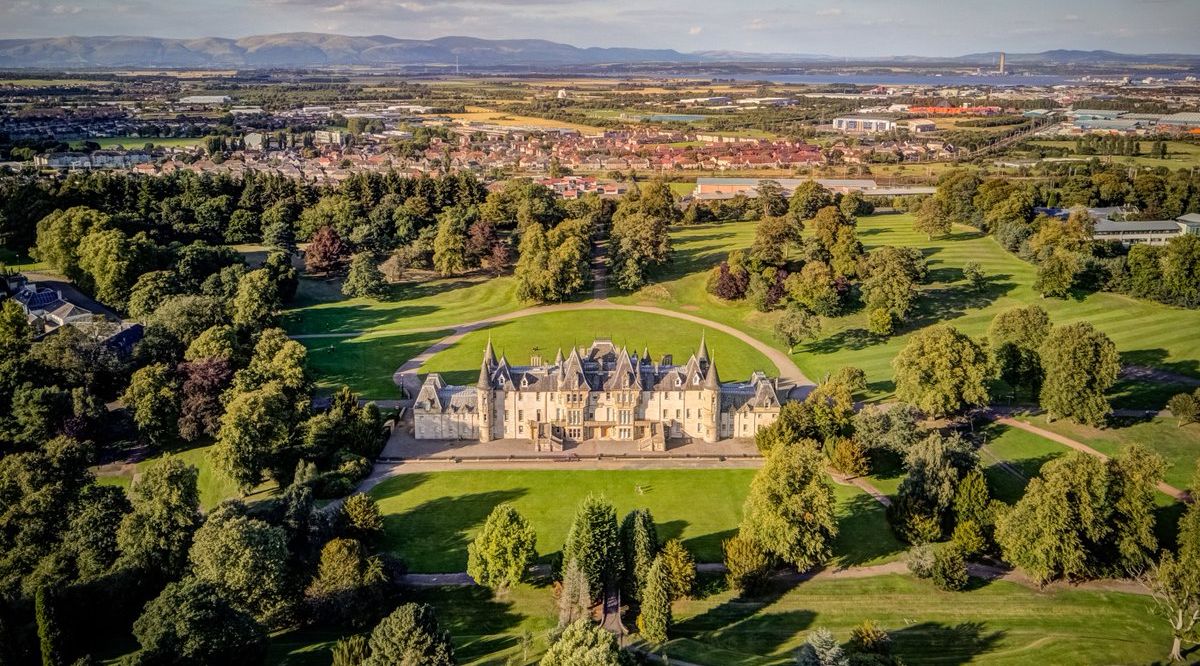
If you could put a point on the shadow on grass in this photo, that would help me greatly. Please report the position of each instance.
(707, 547)
(672, 529)
(946, 644)
(863, 532)
(851, 338)
(477, 618)
(738, 622)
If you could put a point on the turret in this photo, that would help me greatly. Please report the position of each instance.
(702, 353)
(483, 401)
(712, 387)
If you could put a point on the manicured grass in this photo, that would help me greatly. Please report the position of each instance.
(998, 623)
(1146, 333)
(365, 363)
(214, 486)
(321, 308)
(430, 518)
(135, 142)
(548, 332)
(1023, 452)
(1179, 446)
(19, 261)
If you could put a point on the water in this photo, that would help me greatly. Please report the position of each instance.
(871, 79)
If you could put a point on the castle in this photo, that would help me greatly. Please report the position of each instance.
(602, 392)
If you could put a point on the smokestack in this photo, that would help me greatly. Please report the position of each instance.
(1002, 62)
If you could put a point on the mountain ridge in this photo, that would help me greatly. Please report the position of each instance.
(308, 49)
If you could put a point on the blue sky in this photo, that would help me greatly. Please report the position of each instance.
(858, 28)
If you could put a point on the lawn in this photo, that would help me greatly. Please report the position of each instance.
(1179, 446)
(321, 308)
(998, 623)
(430, 518)
(546, 333)
(19, 261)
(214, 486)
(365, 363)
(1022, 452)
(1146, 333)
(138, 142)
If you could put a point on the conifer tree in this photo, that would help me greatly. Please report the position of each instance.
(639, 545)
(575, 599)
(655, 618)
(594, 542)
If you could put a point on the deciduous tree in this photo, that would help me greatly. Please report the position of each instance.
(1080, 365)
(940, 371)
(503, 550)
(790, 511)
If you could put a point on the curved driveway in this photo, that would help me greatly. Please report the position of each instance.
(789, 374)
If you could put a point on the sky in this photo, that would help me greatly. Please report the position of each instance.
(861, 28)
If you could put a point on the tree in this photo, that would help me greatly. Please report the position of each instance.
(326, 252)
(972, 501)
(450, 246)
(1133, 477)
(772, 238)
(150, 291)
(746, 564)
(351, 651)
(503, 550)
(935, 466)
(257, 300)
(654, 621)
(881, 322)
(1080, 365)
(364, 279)
(941, 371)
(1052, 531)
(362, 517)
(585, 644)
(60, 233)
(50, 634)
(594, 542)
(111, 261)
(949, 569)
(1015, 338)
(200, 408)
(639, 244)
(552, 265)
(974, 276)
(255, 433)
(680, 567)
(815, 288)
(894, 429)
(350, 584)
(931, 220)
(790, 511)
(1056, 274)
(156, 535)
(410, 635)
(575, 598)
(890, 280)
(1174, 583)
(92, 535)
(869, 638)
(1184, 407)
(246, 559)
(190, 622)
(276, 358)
(821, 649)
(639, 546)
(770, 199)
(808, 198)
(153, 396)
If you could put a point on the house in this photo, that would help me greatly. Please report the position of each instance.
(601, 392)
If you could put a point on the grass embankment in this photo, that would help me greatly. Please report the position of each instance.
(430, 518)
(546, 333)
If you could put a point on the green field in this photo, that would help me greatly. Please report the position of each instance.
(1180, 154)
(1146, 333)
(321, 308)
(1022, 451)
(214, 486)
(997, 623)
(548, 332)
(19, 261)
(365, 363)
(430, 518)
(1179, 446)
(132, 142)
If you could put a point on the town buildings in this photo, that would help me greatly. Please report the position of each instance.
(1150, 232)
(601, 392)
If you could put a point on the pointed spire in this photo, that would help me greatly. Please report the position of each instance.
(702, 353)
(485, 376)
(711, 380)
(558, 358)
(489, 354)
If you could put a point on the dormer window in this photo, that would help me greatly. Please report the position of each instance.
(678, 381)
(696, 379)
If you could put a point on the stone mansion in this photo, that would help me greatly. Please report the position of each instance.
(602, 392)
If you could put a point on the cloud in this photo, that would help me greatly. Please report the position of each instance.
(756, 24)
(831, 11)
(695, 30)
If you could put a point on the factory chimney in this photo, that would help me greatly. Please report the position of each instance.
(1002, 62)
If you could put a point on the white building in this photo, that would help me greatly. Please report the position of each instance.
(1150, 232)
(863, 124)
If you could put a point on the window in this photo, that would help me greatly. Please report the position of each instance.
(689, 413)
(664, 413)
(520, 415)
(677, 414)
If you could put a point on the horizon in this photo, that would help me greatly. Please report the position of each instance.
(920, 29)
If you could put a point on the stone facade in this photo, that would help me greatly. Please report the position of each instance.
(598, 393)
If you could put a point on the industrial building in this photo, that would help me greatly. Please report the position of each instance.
(863, 124)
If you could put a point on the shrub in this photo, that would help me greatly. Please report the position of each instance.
(881, 322)
(870, 638)
(968, 538)
(746, 564)
(949, 569)
(848, 457)
(1184, 407)
(681, 568)
(920, 561)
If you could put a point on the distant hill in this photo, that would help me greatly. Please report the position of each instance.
(309, 49)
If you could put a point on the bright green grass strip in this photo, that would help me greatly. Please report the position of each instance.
(1023, 451)
(546, 333)
(998, 623)
(365, 363)
(430, 518)
(320, 307)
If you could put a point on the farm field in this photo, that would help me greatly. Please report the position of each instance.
(1146, 333)
(430, 518)
(321, 308)
(1180, 154)
(484, 115)
(546, 333)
